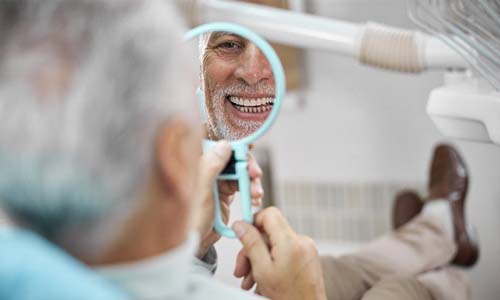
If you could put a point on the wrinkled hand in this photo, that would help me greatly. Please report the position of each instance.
(211, 164)
(284, 265)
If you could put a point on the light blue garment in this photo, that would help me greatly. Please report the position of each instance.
(172, 276)
(32, 268)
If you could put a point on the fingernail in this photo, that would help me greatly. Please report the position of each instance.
(239, 229)
(221, 148)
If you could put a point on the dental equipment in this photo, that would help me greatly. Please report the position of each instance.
(467, 106)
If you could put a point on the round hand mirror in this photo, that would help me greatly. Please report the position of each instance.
(241, 89)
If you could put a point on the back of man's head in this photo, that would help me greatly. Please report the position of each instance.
(84, 86)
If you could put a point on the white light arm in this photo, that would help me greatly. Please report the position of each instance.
(372, 44)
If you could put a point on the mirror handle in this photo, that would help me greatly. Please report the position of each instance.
(246, 200)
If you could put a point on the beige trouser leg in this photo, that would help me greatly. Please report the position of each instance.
(446, 283)
(419, 246)
(343, 281)
(398, 288)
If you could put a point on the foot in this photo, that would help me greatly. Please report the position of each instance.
(407, 205)
(449, 181)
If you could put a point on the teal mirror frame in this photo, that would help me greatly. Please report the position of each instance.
(240, 147)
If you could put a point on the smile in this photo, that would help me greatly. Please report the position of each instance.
(252, 105)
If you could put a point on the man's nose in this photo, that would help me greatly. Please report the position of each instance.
(254, 67)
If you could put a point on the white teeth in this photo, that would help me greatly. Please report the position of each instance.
(252, 105)
(251, 102)
(254, 109)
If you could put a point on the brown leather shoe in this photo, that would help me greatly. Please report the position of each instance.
(449, 180)
(407, 205)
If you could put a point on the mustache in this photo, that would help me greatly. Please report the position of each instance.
(242, 87)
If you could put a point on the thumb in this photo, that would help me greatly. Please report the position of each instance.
(214, 160)
(254, 246)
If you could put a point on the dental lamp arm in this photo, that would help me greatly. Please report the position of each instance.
(372, 44)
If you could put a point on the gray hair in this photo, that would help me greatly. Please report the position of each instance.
(70, 158)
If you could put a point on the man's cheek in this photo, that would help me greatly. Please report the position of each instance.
(220, 72)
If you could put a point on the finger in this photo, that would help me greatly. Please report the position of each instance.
(272, 222)
(256, 189)
(256, 202)
(254, 170)
(243, 266)
(271, 217)
(214, 161)
(248, 282)
(254, 245)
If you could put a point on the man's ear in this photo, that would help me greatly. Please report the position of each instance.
(175, 159)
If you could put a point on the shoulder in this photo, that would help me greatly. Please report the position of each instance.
(30, 265)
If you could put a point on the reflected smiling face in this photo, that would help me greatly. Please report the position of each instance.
(239, 86)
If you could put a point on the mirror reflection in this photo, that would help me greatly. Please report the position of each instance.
(238, 83)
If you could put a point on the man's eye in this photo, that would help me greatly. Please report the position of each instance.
(229, 46)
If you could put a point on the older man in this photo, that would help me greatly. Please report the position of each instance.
(238, 83)
(410, 263)
(99, 148)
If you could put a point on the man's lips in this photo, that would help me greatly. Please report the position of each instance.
(251, 108)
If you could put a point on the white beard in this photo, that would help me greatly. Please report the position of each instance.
(221, 125)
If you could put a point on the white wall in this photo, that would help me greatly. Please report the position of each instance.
(368, 125)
